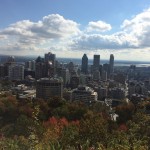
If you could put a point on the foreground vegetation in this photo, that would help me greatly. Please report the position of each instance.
(59, 125)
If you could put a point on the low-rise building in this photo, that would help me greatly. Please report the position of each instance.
(84, 94)
(116, 93)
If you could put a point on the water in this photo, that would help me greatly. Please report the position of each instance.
(116, 62)
(3, 58)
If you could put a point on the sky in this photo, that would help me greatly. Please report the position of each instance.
(70, 28)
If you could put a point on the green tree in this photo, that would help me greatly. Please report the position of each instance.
(125, 112)
(93, 128)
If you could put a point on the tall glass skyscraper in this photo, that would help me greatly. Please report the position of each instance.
(111, 64)
(50, 57)
(96, 62)
(84, 67)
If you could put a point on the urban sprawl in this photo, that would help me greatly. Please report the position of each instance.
(46, 77)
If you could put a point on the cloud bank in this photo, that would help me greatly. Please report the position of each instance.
(99, 26)
(27, 34)
(134, 33)
(58, 32)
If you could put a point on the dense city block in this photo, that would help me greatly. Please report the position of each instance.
(89, 104)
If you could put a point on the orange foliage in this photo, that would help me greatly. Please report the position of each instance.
(75, 122)
(55, 126)
(55, 122)
(12, 99)
(123, 127)
(26, 110)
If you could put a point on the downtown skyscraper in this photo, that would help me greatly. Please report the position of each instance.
(111, 64)
(84, 66)
(96, 62)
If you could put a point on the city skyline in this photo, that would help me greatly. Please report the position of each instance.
(70, 29)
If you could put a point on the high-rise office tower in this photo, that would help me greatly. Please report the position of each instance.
(104, 75)
(111, 64)
(49, 87)
(96, 62)
(106, 67)
(3, 70)
(28, 65)
(33, 65)
(74, 81)
(51, 60)
(66, 76)
(70, 67)
(84, 67)
(11, 59)
(16, 72)
(43, 69)
(39, 68)
(96, 75)
(50, 57)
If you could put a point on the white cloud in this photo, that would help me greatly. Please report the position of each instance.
(28, 34)
(119, 40)
(51, 26)
(139, 27)
(59, 25)
(65, 36)
(99, 26)
(134, 34)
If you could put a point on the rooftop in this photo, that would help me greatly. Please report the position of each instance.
(50, 80)
(83, 89)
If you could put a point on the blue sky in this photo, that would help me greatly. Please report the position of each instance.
(71, 28)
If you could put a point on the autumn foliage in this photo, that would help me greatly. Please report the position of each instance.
(57, 124)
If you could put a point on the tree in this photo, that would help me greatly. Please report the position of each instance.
(93, 127)
(125, 112)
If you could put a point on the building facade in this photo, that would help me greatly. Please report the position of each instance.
(16, 72)
(84, 94)
(111, 64)
(47, 88)
(50, 57)
(96, 62)
(84, 66)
